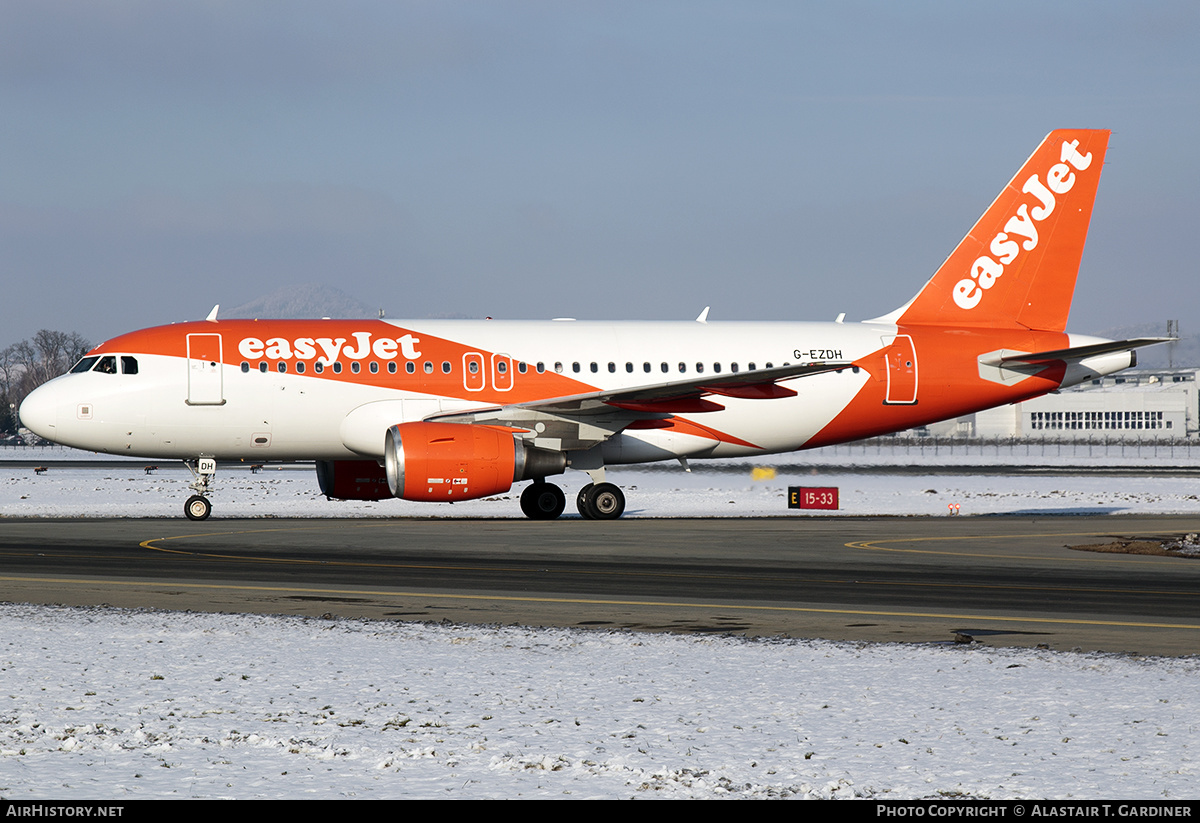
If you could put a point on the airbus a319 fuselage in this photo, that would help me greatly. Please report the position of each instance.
(454, 410)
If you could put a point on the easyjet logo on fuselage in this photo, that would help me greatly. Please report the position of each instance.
(1020, 232)
(328, 349)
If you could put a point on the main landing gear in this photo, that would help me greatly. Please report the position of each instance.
(595, 501)
(203, 470)
(543, 501)
(600, 501)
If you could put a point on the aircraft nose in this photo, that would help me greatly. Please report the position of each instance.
(39, 412)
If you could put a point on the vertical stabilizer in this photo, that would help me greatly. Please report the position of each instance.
(1017, 266)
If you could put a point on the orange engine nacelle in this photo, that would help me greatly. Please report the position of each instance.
(352, 480)
(444, 462)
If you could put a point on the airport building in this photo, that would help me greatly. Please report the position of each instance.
(1136, 404)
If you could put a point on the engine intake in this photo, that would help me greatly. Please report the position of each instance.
(458, 461)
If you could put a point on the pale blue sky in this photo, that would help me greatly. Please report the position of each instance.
(597, 160)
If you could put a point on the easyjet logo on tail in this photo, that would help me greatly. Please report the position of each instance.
(1021, 231)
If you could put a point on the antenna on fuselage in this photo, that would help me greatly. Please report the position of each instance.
(212, 315)
(703, 318)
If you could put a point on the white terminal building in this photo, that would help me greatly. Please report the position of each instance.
(1136, 404)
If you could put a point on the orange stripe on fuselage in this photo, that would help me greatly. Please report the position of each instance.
(361, 342)
(685, 426)
(949, 383)
(360, 337)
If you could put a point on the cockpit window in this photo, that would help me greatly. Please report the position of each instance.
(84, 365)
(107, 365)
(128, 364)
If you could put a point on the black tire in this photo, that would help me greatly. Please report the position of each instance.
(197, 508)
(606, 502)
(583, 502)
(543, 501)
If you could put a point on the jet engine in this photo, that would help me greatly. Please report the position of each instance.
(459, 461)
(352, 480)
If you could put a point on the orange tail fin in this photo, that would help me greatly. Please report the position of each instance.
(1017, 266)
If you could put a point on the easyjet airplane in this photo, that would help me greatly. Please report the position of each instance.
(456, 410)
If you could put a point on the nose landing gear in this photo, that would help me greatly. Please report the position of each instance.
(197, 508)
(203, 470)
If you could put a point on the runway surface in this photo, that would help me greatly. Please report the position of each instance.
(1001, 580)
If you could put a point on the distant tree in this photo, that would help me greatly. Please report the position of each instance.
(10, 371)
(26, 365)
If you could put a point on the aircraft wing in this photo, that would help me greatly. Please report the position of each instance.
(580, 421)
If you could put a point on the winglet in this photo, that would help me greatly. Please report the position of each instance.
(212, 315)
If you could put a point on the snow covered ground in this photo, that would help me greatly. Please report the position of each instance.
(117, 704)
(124, 705)
(714, 488)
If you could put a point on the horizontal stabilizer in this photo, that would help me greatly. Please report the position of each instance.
(1078, 352)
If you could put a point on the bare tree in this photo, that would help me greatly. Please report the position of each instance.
(26, 365)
